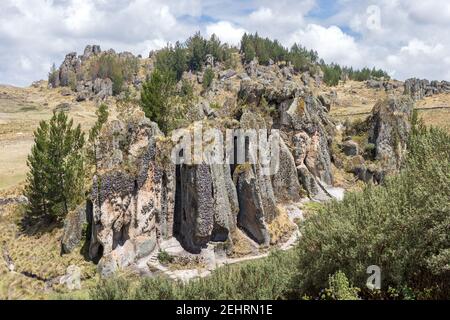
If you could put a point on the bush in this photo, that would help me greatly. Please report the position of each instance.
(402, 227)
(191, 55)
(208, 78)
(266, 49)
(156, 96)
(237, 282)
(339, 288)
(53, 76)
(119, 70)
(164, 257)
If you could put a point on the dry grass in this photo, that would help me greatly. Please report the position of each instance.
(242, 245)
(280, 228)
(21, 110)
(36, 258)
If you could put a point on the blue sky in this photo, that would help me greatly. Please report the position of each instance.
(406, 37)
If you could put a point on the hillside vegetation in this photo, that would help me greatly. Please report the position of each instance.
(402, 227)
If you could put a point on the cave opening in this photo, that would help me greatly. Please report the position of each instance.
(219, 234)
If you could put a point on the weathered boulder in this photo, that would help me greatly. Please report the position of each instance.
(389, 130)
(72, 278)
(421, 88)
(103, 88)
(308, 125)
(252, 214)
(206, 205)
(89, 51)
(75, 227)
(68, 70)
(350, 148)
(285, 182)
(133, 194)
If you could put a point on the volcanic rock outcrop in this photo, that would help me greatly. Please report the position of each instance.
(89, 80)
(389, 129)
(419, 89)
(141, 197)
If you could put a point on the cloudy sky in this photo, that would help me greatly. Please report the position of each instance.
(406, 37)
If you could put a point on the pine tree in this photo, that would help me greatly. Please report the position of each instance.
(155, 98)
(36, 190)
(56, 178)
(102, 117)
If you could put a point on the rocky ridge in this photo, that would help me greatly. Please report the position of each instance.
(141, 200)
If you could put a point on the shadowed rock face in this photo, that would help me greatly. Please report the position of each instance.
(206, 205)
(389, 130)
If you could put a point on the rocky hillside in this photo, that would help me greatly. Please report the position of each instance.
(147, 214)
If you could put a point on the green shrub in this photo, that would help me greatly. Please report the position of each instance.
(117, 288)
(118, 69)
(156, 96)
(208, 78)
(339, 288)
(164, 257)
(402, 227)
(245, 281)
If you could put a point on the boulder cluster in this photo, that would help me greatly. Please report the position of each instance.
(419, 89)
(141, 199)
(74, 73)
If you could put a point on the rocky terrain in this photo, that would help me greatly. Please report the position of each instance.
(141, 207)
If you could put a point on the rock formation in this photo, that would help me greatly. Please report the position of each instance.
(419, 89)
(142, 200)
(389, 129)
(75, 72)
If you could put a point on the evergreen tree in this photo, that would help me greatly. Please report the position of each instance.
(102, 117)
(53, 75)
(55, 181)
(208, 78)
(36, 189)
(197, 47)
(155, 98)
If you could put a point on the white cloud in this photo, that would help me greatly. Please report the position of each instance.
(411, 39)
(261, 15)
(331, 43)
(226, 32)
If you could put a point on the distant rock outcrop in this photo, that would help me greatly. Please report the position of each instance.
(76, 73)
(419, 89)
(389, 129)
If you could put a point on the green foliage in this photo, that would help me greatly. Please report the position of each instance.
(156, 96)
(72, 78)
(53, 75)
(266, 49)
(191, 55)
(186, 90)
(117, 289)
(331, 74)
(208, 78)
(334, 72)
(238, 282)
(164, 257)
(118, 69)
(401, 227)
(102, 117)
(55, 181)
(173, 60)
(339, 288)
